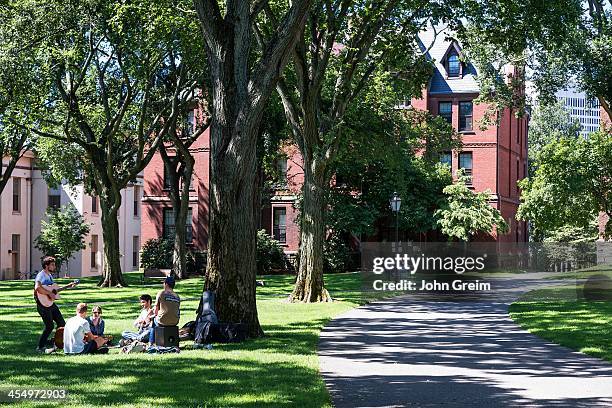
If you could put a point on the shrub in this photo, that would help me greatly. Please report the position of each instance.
(196, 262)
(336, 255)
(157, 253)
(270, 255)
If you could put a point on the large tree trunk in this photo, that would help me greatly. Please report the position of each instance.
(111, 273)
(309, 286)
(232, 240)
(240, 89)
(181, 208)
(231, 247)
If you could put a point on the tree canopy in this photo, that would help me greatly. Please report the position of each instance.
(467, 213)
(570, 186)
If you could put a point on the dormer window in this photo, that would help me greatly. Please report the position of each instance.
(454, 66)
(452, 61)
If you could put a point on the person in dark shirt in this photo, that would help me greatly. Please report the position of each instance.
(96, 323)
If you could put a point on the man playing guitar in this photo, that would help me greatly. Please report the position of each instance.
(49, 314)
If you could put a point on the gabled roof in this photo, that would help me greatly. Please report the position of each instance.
(439, 46)
(454, 45)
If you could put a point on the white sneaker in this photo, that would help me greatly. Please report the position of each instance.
(50, 350)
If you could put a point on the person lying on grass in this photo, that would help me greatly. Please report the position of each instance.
(143, 323)
(78, 338)
(167, 308)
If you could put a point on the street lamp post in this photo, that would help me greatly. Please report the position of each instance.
(395, 202)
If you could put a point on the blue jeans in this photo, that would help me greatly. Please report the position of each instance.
(154, 324)
(142, 335)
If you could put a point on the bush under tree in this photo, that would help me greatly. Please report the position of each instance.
(158, 253)
(270, 255)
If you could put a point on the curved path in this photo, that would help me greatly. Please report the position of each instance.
(416, 351)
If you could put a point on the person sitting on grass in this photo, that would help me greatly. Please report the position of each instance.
(143, 323)
(96, 323)
(167, 308)
(77, 331)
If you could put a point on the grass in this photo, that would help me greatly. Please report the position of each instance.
(558, 315)
(280, 369)
(584, 273)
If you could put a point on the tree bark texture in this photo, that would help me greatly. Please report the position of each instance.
(309, 286)
(111, 272)
(181, 208)
(240, 90)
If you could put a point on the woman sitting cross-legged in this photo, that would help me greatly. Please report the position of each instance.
(96, 323)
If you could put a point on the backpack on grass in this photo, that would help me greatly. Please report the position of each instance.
(208, 329)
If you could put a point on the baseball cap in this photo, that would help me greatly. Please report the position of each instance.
(170, 281)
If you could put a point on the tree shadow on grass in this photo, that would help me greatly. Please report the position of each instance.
(254, 373)
(188, 379)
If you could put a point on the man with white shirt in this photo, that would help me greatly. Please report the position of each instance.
(143, 323)
(77, 334)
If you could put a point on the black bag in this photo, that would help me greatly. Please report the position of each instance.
(187, 331)
(208, 329)
(227, 333)
(206, 316)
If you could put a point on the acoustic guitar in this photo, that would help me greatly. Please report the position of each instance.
(48, 300)
(58, 338)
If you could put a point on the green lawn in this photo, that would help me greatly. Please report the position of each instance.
(557, 315)
(280, 369)
(584, 273)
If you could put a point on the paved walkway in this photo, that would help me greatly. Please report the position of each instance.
(454, 352)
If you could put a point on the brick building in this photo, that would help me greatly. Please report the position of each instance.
(494, 158)
(157, 215)
(279, 216)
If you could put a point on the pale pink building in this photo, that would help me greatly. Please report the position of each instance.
(23, 204)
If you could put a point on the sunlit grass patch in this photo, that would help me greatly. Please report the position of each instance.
(281, 368)
(557, 315)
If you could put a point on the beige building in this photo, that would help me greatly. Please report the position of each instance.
(23, 204)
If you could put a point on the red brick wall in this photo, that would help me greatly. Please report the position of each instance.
(497, 152)
(293, 230)
(285, 197)
(155, 199)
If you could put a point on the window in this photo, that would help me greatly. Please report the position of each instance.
(54, 198)
(135, 251)
(190, 123)
(15, 242)
(518, 170)
(465, 163)
(167, 182)
(454, 65)
(445, 109)
(94, 252)
(169, 225)
(94, 204)
(15, 245)
(279, 228)
(17, 194)
(446, 158)
(465, 116)
(136, 201)
(281, 167)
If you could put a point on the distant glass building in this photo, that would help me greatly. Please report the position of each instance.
(585, 110)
